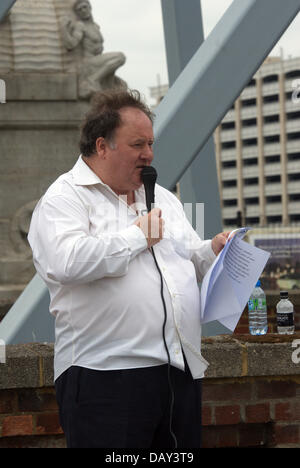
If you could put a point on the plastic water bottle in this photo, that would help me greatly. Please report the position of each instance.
(257, 311)
(285, 315)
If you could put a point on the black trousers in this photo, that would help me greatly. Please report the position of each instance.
(129, 408)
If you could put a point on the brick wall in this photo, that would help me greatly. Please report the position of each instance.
(251, 394)
(28, 409)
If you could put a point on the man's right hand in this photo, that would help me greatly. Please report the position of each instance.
(152, 226)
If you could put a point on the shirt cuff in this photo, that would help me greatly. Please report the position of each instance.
(211, 253)
(135, 238)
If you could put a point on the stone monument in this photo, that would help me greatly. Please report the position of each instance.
(95, 69)
(51, 63)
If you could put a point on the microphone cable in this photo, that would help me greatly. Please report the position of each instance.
(149, 176)
(171, 390)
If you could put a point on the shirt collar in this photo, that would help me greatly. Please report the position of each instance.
(83, 175)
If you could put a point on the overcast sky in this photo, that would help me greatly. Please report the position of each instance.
(135, 28)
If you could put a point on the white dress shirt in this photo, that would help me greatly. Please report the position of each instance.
(103, 283)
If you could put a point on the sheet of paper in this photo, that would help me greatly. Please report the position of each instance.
(215, 270)
(230, 280)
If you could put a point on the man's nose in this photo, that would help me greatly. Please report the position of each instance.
(147, 153)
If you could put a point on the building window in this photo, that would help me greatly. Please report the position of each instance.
(229, 183)
(250, 142)
(293, 156)
(249, 102)
(271, 118)
(293, 115)
(270, 78)
(293, 136)
(251, 181)
(271, 98)
(228, 144)
(230, 202)
(275, 158)
(293, 74)
(293, 177)
(294, 197)
(252, 220)
(272, 139)
(295, 218)
(252, 201)
(228, 164)
(229, 222)
(228, 125)
(249, 122)
(275, 219)
(250, 162)
(273, 199)
(273, 179)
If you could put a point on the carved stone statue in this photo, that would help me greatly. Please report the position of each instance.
(95, 68)
(51, 62)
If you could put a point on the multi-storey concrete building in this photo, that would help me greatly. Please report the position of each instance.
(258, 149)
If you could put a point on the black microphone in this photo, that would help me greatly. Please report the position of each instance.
(149, 176)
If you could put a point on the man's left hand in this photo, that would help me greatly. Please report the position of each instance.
(219, 241)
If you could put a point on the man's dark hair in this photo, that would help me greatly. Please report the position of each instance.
(104, 117)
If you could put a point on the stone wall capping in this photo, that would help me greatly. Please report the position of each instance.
(249, 356)
(27, 365)
(31, 364)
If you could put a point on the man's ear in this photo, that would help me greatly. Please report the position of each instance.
(101, 147)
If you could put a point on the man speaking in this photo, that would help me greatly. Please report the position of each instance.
(123, 289)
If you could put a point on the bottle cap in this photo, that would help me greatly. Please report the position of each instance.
(284, 294)
(257, 284)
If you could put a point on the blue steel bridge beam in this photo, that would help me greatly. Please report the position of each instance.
(5, 6)
(183, 30)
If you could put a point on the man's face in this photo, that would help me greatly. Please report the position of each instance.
(131, 150)
(83, 10)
